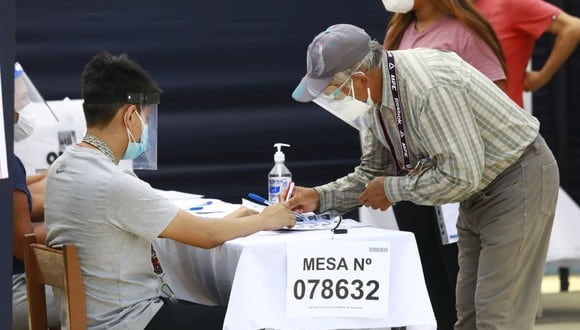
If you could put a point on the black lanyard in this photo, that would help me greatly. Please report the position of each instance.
(399, 117)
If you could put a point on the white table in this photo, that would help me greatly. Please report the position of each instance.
(249, 275)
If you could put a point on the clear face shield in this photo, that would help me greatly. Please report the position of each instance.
(29, 105)
(345, 106)
(148, 106)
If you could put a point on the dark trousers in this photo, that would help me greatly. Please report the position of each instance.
(439, 261)
(187, 315)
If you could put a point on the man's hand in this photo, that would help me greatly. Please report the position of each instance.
(303, 200)
(374, 195)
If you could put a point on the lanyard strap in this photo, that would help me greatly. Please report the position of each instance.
(391, 148)
(398, 112)
(165, 288)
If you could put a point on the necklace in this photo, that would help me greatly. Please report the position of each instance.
(100, 145)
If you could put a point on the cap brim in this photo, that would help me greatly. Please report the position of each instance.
(308, 88)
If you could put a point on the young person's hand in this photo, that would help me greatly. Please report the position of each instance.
(240, 212)
(278, 216)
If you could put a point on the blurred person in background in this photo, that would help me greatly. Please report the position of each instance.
(28, 211)
(28, 103)
(518, 35)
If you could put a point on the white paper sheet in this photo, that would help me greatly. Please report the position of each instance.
(310, 220)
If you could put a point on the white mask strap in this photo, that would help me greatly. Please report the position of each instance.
(131, 138)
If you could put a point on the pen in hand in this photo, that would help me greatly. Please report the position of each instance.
(262, 200)
(289, 192)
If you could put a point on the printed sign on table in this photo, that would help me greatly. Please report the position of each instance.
(338, 278)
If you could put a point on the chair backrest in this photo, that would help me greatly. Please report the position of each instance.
(58, 268)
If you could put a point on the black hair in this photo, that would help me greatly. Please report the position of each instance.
(107, 80)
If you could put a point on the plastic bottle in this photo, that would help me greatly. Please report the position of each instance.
(279, 177)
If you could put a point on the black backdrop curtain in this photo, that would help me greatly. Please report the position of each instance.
(557, 106)
(227, 69)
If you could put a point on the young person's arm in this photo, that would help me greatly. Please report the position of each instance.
(566, 28)
(22, 224)
(208, 233)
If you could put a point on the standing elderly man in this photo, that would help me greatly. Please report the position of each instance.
(440, 132)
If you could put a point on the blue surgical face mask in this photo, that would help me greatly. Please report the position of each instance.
(134, 148)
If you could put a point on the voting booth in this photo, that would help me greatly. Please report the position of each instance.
(52, 134)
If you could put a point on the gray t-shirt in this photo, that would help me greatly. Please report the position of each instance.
(112, 216)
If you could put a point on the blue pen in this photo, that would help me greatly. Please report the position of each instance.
(259, 199)
(200, 206)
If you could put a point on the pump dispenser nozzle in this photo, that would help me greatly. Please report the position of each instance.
(279, 177)
(279, 155)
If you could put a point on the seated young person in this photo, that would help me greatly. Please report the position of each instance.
(113, 216)
(27, 209)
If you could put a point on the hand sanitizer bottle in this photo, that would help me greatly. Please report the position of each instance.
(279, 177)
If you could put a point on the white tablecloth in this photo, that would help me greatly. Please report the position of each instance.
(249, 275)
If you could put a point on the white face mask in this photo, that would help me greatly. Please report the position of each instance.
(399, 6)
(25, 125)
(350, 110)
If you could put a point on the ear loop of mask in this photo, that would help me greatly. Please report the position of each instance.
(129, 131)
(370, 103)
(369, 99)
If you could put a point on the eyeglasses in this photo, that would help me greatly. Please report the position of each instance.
(338, 93)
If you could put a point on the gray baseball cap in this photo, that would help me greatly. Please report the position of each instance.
(332, 51)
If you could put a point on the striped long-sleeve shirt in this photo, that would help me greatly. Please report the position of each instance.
(454, 116)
